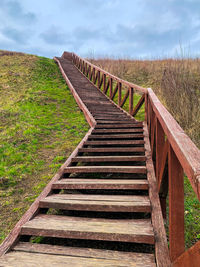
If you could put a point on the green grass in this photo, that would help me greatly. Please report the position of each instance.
(40, 125)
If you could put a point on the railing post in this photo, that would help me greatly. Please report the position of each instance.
(130, 100)
(104, 82)
(111, 87)
(94, 72)
(176, 206)
(119, 93)
(98, 79)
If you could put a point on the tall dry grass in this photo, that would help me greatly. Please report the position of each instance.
(175, 81)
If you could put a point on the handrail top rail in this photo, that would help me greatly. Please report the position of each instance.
(135, 86)
(185, 150)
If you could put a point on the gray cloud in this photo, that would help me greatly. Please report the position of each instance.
(14, 10)
(15, 35)
(55, 36)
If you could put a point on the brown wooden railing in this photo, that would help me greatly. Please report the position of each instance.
(173, 152)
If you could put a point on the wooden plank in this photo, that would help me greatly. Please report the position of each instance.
(95, 203)
(161, 246)
(112, 149)
(116, 136)
(106, 169)
(114, 121)
(113, 126)
(138, 106)
(32, 259)
(111, 87)
(100, 198)
(134, 130)
(118, 142)
(130, 100)
(130, 257)
(189, 258)
(160, 141)
(124, 99)
(111, 184)
(176, 206)
(108, 158)
(119, 93)
(33, 210)
(114, 92)
(137, 231)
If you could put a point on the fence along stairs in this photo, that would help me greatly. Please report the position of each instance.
(103, 208)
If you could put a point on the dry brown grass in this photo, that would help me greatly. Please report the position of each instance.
(175, 81)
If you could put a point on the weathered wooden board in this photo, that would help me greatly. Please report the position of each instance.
(139, 231)
(108, 158)
(106, 169)
(97, 203)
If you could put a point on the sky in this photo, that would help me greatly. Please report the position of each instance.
(100, 28)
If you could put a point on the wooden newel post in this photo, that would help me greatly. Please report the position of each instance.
(176, 206)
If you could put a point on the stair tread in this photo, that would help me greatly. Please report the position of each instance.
(106, 169)
(101, 181)
(112, 149)
(133, 130)
(115, 136)
(129, 230)
(108, 158)
(123, 142)
(97, 203)
(112, 126)
(101, 184)
(53, 254)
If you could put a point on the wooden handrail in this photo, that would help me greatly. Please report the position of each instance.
(185, 150)
(135, 86)
(173, 152)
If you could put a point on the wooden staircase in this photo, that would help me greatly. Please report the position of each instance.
(102, 208)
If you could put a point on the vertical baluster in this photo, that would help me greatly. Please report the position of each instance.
(146, 107)
(98, 79)
(160, 140)
(176, 206)
(119, 93)
(104, 82)
(94, 71)
(111, 87)
(130, 100)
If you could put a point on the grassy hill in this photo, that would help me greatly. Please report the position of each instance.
(40, 125)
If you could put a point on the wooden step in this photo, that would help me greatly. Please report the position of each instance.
(108, 158)
(106, 169)
(31, 254)
(118, 126)
(107, 131)
(112, 149)
(112, 184)
(115, 136)
(124, 230)
(119, 142)
(114, 118)
(104, 203)
(113, 121)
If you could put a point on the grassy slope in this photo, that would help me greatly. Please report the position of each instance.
(40, 125)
